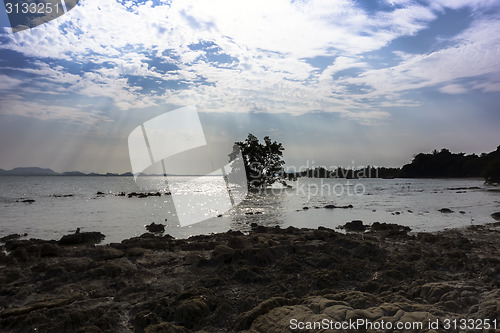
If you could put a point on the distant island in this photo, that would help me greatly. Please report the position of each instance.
(35, 171)
(437, 164)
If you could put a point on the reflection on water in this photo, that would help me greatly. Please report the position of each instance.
(64, 203)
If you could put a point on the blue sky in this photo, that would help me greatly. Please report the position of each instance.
(337, 82)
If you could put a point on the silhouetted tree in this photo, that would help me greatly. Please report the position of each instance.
(447, 164)
(491, 171)
(263, 162)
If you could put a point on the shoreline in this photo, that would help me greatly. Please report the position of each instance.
(258, 282)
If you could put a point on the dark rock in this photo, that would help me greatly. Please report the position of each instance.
(166, 327)
(496, 215)
(10, 237)
(446, 210)
(191, 311)
(102, 193)
(341, 207)
(305, 208)
(143, 195)
(157, 228)
(377, 226)
(92, 237)
(28, 200)
(356, 225)
(136, 252)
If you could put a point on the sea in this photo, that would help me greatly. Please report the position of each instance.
(50, 207)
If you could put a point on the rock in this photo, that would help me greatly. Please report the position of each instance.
(305, 208)
(166, 327)
(496, 216)
(157, 228)
(136, 252)
(446, 210)
(191, 311)
(377, 226)
(10, 237)
(143, 195)
(356, 225)
(248, 317)
(341, 207)
(28, 200)
(92, 237)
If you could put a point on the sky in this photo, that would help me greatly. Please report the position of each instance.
(339, 83)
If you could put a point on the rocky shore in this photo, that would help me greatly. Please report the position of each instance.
(271, 280)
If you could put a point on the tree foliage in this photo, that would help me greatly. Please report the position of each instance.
(447, 164)
(263, 161)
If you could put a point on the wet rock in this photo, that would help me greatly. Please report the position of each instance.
(10, 237)
(232, 281)
(496, 216)
(144, 195)
(156, 227)
(341, 207)
(136, 252)
(108, 253)
(28, 200)
(354, 226)
(377, 226)
(247, 318)
(191, 311)
(92, 237)
(166, 328)
(446, 210)
(237, 242)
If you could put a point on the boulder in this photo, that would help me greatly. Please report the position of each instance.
(156, 227)
(92, 237)
(356, 225)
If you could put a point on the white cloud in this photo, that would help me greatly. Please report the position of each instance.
(270, 41)
(474, 53)
(453, 89)
(15, 105)
(8, 83)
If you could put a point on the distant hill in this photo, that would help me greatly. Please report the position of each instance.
(35, 171)
(31, 171)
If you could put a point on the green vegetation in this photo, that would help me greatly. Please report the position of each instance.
(442, 164)
(263, 162)
(447, 164)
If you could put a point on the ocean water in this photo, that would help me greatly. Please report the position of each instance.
(63, 204)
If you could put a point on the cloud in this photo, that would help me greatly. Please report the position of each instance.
(267, 44)
(8, 83)
(15, 105)
(474, 53)
(453, 89)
